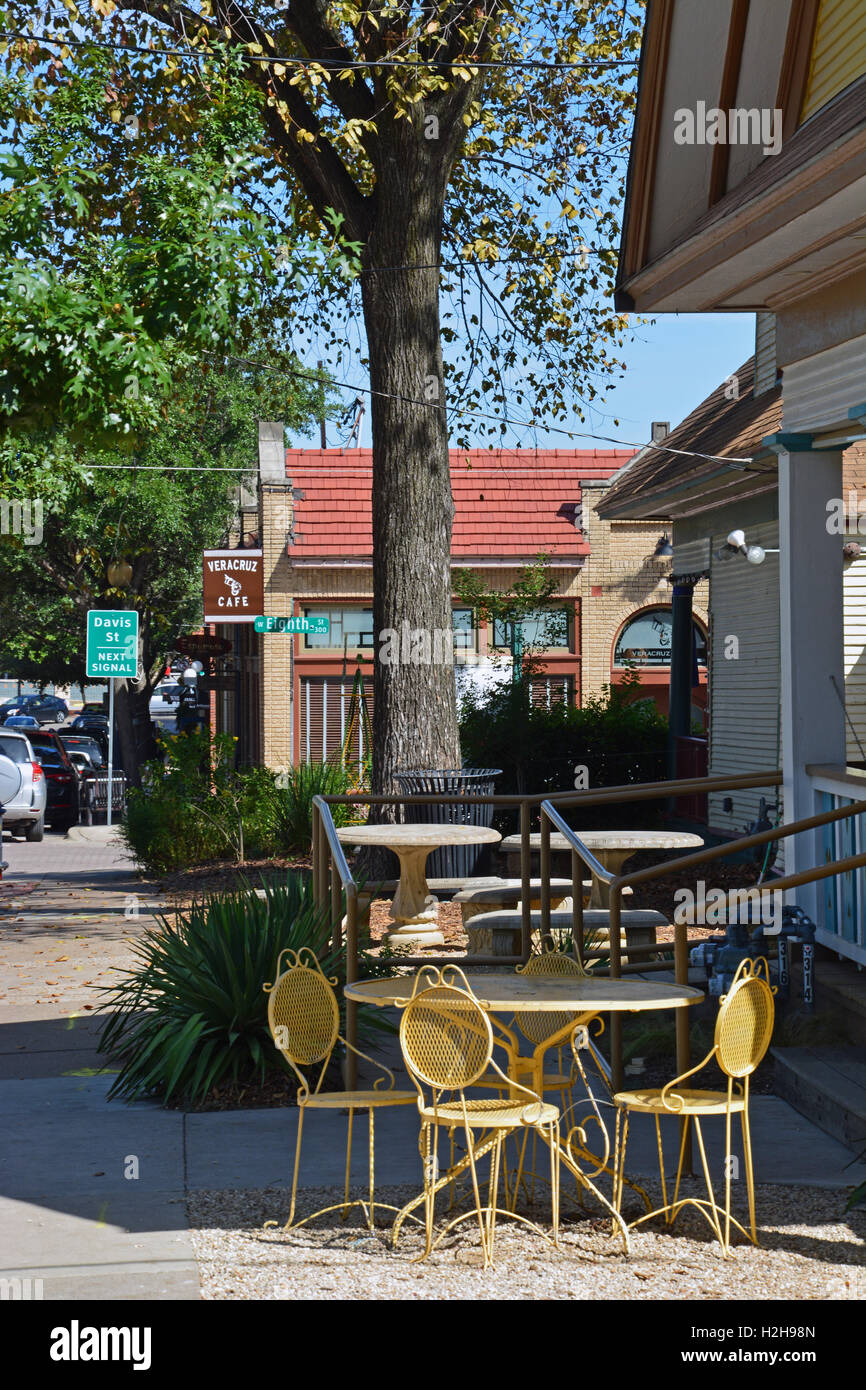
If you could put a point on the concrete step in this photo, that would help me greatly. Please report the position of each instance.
(828, 1086)
(840, 994)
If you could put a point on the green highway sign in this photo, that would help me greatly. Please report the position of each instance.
(275, 624)
(112, 643)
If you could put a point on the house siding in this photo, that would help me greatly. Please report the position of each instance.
(838, 53)
(745, 709)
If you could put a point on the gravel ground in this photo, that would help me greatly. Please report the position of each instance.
(811, 1250)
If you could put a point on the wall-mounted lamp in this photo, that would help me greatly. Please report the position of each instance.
(664, 549)
(735, 544)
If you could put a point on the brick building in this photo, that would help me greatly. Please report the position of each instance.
(311, 517)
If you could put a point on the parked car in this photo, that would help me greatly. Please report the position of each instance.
(169, 690)
(95, 726)
(64, 780)
(17, 705)
(25, 815)
(83, 743)
(47, 709)
(21, 721)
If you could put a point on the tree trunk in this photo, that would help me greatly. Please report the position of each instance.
(135, 740)
(415, 706)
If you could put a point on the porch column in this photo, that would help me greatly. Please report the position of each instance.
(682, 659)
(811, 635)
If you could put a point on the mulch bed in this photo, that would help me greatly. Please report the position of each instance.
(225, 876)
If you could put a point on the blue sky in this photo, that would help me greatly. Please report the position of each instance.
(672, 364)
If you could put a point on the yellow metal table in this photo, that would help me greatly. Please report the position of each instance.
(586, 997)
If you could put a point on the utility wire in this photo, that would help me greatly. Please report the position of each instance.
(329, 64)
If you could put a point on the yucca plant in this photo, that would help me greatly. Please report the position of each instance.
(192, 1014)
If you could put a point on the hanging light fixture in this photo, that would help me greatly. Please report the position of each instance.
(119, 573)
(664, 549)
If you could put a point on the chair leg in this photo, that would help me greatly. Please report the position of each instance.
(712, 1202)
(297, 1166)
(661, 1161)
(429, 1199)
(372, 1169)
(348, 1164)
(620, 1145)
(728, 1170)
(554, 1180)
(470, 1149)
(750, 1176)
(495, 1160)
(684, 1134)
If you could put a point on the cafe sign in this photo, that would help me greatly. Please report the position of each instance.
(233, 585)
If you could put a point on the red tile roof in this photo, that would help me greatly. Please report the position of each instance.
(509, 503)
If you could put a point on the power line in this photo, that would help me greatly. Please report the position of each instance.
(329, 64)
(734, 462)
(484, 415)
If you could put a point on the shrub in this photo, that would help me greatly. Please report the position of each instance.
(193, 1013)
(538, 749)
(195, 806)
(290, 802)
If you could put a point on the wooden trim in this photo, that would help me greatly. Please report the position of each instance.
(642, 160)
(794, 72)
(728, 95)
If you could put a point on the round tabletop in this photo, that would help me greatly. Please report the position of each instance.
(615, 839)
(539, 993)
(417, 835)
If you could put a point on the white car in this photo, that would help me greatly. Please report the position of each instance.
(25, 813)
(165, 697)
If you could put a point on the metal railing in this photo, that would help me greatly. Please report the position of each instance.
(686, 863)
(334, 884)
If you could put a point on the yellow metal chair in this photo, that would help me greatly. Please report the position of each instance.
(447, 1043)
(551, 1032)
(744, 1027)
(304, 1019)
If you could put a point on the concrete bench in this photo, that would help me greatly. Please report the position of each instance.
(499, 933)
(507, 894)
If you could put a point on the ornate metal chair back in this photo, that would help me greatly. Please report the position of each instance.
(744, 1024)
(536, 1027)
(303, 1013)
(446, 1038)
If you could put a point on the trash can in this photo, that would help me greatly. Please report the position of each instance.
(451, 861)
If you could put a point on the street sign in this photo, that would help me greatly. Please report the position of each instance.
(112, 643)
(271, 623)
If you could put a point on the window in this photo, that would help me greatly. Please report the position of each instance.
(543, 627)
(353, 627)
(350, 627)
(464, 633)
(646, 640)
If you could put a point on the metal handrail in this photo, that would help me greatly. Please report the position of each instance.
(576, 843)
(690, 861)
